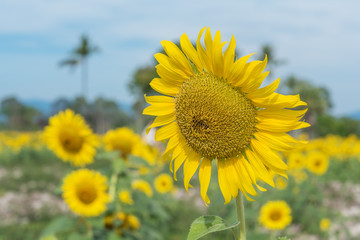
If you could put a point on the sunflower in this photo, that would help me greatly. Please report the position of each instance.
(275, 215)
(84, 191)
(296, 160)
(125, 197)
(317, 162)
(142, 186)
(128, 221)
(121, 139)
(325, 224)
(212, 110)
(71, 138)
(280, 183)
(163, 183)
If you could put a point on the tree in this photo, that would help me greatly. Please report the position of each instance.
(80, 56)
(17, 115)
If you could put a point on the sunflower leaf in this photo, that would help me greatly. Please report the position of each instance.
(208, 224)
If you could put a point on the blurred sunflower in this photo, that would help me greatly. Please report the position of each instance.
(317, 162)
(142, 186)
(275, 215)
(121, 139)
(214, 111)
(71, 138)
(325, 224)
(280, 183)
(295, 160)
(163, 183)
(128, 221)
(125, 197)
(84, 191)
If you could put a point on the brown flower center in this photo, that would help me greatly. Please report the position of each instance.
(215, 118)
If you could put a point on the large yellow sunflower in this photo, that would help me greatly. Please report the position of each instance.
(85, 193)
(213, 111)
(71, 138)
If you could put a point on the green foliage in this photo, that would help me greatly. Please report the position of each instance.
(17, 115)
(208, 224)
(59, 225)
(327, 124)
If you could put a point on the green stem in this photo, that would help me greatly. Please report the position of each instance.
(235, 233)
(241, 216)
(112, 189)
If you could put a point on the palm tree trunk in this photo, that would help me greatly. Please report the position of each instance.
(84, 78)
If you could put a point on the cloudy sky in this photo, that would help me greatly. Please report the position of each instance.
(319, 39)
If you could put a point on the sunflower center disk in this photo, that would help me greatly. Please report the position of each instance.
(87, 194)
(71, 141)
(215, 118)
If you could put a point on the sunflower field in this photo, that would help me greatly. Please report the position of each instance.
(221, 157)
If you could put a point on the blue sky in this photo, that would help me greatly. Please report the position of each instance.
(319, 39)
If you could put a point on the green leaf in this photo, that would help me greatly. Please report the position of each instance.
(138, 161)
(60, 224)
(118, 165)
(208, 224)
(107, 155)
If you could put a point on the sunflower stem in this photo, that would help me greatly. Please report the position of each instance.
(235, 233)
(113, 182)
(241, 216)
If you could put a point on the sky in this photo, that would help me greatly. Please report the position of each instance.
(318, 39)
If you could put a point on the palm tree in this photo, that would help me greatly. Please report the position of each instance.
(79, 56)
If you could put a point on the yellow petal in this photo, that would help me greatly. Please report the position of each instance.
(268, 157)
(177, 56)
(203, 56)
(217, 58)
(238, 69)
(160, 109)
(273, 141)
(259, 168)
(285, 114)
(161, 120)
(229, 57)
(224, 185)
(190, 166)
(265, 91)
(169, 76)
(158, 99)
(166, 131)
(278, 125)
(180, 159)
(190, 51)
(204, 178)
(160, 86)
(277, 100)
(172, 143)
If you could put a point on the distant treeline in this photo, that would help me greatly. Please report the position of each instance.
(101, 114)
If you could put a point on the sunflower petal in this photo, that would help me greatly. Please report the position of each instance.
(190, 51)
(268, 157)
(161, 86)
(166, 131)
(224, 185)
(190, 166)
(204, 178)
(161, 120)
(177, 56)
